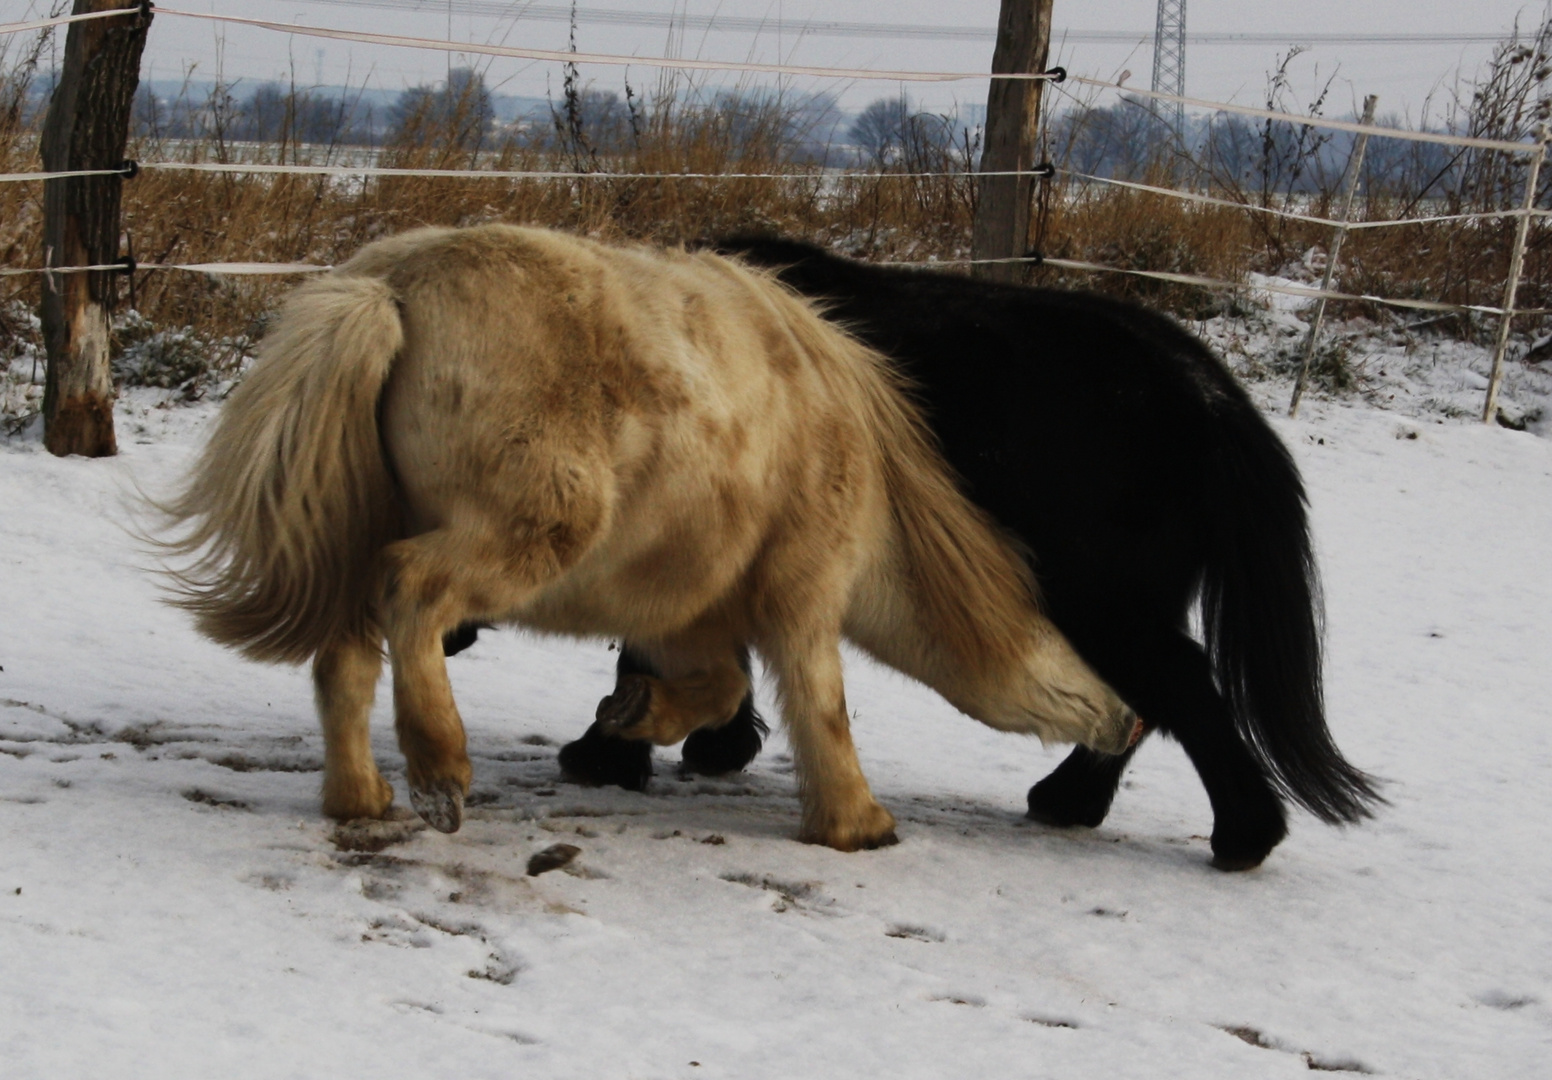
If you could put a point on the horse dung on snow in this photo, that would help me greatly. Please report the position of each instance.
(511, 425)
(1139, 478)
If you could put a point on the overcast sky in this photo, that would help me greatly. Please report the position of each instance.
(1403, 75)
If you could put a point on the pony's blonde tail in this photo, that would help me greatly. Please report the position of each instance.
(291, 499)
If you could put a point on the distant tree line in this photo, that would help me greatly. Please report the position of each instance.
(1129, 138)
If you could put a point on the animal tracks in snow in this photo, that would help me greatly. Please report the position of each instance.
(788, 895)
(1315, 1062)
(910, 932)
(463, 909)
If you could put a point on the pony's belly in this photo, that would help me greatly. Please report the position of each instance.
(641, 590)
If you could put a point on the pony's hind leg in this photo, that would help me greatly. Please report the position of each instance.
(1248, 817)
(344, 684)
(430, 583)
(839, 810)
(1167, 677)
(462, 637)
(719, 749)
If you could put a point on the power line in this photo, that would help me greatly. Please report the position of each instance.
(519, 13)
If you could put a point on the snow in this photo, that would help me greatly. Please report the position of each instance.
(173, 905)
(1401, 363)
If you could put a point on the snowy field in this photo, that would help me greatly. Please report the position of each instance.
(173, 905)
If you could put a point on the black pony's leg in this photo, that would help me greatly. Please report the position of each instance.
(1079, 791)
(1248, 818)
(729, 747)
(1167, 679)
(461, 637)
(602, 758)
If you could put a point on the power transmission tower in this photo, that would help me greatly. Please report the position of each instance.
(1169, 56)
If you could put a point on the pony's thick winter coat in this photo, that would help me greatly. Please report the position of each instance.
(506, 424)
(1140, 477)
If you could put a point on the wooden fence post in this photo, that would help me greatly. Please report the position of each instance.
(1012, 120)
(1512, 283)
(86, 128)
(1349, 189)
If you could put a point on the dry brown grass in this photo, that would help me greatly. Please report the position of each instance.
(877, 213)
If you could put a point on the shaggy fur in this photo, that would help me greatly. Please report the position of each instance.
(1125, 457)
(510, 425)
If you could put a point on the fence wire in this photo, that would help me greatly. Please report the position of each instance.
(402, 41)
(248, 269)
(368, 171)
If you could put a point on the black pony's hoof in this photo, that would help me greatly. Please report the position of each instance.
(602, 759)
(1245, 847)
(1055, 801)
(726, 749)
(1235, 865)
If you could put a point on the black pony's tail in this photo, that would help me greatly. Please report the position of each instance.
(1262, 616)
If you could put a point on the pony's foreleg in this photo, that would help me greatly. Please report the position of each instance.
(344, 683)
(839, 810)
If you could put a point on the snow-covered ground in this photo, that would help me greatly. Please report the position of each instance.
(173, 905)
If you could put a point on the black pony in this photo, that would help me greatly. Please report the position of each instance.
(1124, 456)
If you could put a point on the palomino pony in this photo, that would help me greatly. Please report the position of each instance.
(1140, 476)
(516, 426)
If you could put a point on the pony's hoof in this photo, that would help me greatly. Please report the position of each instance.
(849, 842)
(440, 806)
(601, 758)
(363, 800)
(889, 839)
(1240, 849)
(1234, 865)
(462, 637)
(726, 749)
(1066, 806)
(876, 829)
(626, 707)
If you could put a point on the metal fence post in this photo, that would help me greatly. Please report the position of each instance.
(1512, 285)
(1349, 189)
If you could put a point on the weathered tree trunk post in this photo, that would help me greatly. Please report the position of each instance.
(1012, 120)
(86, 128)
